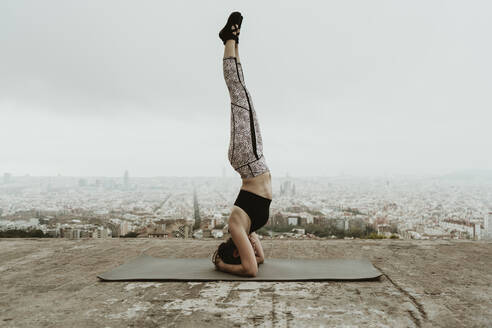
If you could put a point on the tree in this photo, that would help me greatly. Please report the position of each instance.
(131, 234)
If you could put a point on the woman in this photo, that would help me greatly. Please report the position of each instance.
(242, 252)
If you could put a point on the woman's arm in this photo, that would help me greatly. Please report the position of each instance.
(233, 268)
(249, 265)
(255, 241)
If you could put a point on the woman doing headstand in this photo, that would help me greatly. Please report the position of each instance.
(242, 252)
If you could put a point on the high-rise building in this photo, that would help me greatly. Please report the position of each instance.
(123, 228)
(126, 179)
(7, 177)
(477, 234)
(487, 233)
(288, 188)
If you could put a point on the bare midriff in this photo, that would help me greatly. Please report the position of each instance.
(260, 185)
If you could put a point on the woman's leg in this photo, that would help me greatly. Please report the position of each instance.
(246, 146)
(229, 49)
(240, 66)
(236, 48)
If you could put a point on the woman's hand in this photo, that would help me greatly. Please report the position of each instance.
(218, 263)
(253, 243)
(217, 260)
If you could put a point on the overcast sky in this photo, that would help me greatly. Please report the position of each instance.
(340, 87)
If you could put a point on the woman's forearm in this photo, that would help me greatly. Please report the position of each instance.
(234, 269)
(259, 259)
(259, 253)
(257, 246)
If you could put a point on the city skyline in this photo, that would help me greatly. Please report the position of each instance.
(390, 88)
(412, 208)
(463, 175)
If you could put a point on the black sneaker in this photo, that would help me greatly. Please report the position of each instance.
(233, 24)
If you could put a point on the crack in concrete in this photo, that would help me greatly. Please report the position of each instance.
(289, 318)
(415, 320)
(229, 296)
(274, 301)
(414, 301)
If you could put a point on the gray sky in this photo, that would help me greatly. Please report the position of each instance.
(353, 87)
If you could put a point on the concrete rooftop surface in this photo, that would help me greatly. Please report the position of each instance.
(53, 283)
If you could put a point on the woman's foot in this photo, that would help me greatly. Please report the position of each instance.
(231, 30)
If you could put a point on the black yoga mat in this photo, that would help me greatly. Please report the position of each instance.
(146, 267)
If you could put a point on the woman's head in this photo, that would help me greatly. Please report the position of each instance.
(228, 252)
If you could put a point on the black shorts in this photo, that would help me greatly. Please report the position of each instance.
(256, 206)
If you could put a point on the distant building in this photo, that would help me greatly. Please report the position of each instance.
(217, 233)
(109, 184)
(101, 233)
(198, 234)
(126, 179)
(458, 227)
(123, 228)
(477, 234)
(293, 221)
(209, 223)
(158, 235)
(487, 233)
(71, 233)
(287, 188)
(305, 218)
(183, 231)
(7, 178)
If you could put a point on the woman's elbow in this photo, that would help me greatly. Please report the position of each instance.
(251, 272)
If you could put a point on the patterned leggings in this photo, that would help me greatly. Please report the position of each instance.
(245, 147)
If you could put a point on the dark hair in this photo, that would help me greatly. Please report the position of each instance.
(226, 252)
